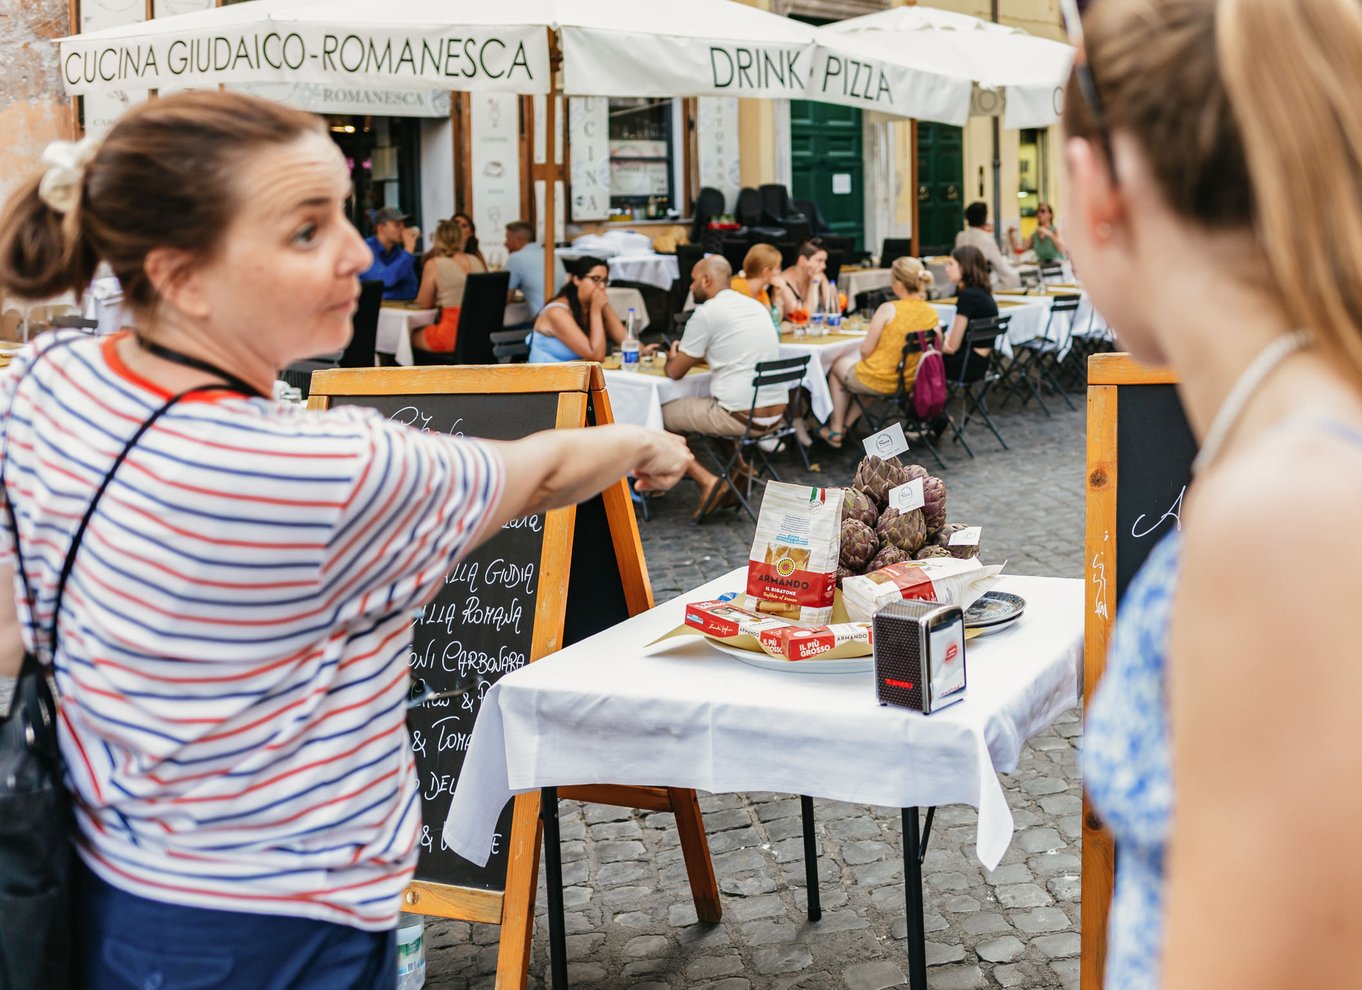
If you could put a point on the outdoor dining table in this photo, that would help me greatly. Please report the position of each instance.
(396, 321)
(660, 270)
(856, 280)
(621, 707)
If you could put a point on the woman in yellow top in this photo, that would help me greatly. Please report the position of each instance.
(874, 369)
(761, 279)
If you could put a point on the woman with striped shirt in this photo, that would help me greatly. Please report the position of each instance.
(234, 634)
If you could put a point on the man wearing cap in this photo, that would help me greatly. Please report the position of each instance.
(394, 264)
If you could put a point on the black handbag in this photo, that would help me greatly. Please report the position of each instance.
(36, 825)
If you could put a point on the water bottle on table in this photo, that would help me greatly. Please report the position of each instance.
(817, 314)
(834, 309)
(629, 349)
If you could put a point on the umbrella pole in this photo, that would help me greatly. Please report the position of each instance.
(998, 183)
(550, 172)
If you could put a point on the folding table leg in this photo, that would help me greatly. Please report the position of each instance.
(553, 880)
(912, 889)
(810, 859)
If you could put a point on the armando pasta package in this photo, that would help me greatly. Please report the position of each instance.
(792, 570)
(934, 579)
(778, 637)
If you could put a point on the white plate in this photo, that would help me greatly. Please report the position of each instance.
(843, 665)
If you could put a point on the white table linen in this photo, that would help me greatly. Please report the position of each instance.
(660, 270)
(612, 709)
(852, 282)
(1029, 318)
(395, 325)
(816, 378)
(637, 398)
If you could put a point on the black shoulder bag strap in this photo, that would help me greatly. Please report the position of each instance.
(45, 679)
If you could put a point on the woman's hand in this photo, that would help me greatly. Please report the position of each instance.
(599, 299)
(664, 462)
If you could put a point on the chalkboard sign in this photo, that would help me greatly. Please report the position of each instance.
(538, 584)
(478, 627)
(1140, 452)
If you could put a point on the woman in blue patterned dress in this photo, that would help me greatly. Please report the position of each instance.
(1214, 196)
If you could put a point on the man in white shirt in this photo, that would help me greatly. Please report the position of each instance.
(525, 262)
(979, 234)
(732, 333)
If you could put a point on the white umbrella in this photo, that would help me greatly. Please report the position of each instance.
(1005, 64)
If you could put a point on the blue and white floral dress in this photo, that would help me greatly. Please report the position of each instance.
(1127, 767)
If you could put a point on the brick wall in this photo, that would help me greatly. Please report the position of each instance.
(33, 110)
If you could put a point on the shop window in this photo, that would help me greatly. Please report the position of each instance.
(384, 155)
(642, 156)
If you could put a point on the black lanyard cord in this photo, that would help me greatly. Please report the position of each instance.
(198, 364)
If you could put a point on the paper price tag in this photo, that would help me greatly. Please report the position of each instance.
(967, 537)
(889, 442)
(908, 497)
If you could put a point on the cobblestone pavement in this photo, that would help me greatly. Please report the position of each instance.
(630, 920)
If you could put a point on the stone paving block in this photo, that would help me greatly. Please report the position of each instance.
(1021, 895)
(719, 821)
(733, 983)
(1059, 946)
(1068, 972)
(941, 953)
(984, 923)
(772, 959)
(739, 861)
(959, 978)
(627, 829)
(1009, 873)
(768, 932)
(1000, 950)
(645, 945)
(611, 874)
(713, 967)
(1046, 919)
(878, 975)
(836, 922)
(752, 908)
(624, 849)
(644, 967)
(1041, 840)
(747, 886)
(1065, 887)
(682, 914)
(931, 922)
(960, 904)
(703, 936)
(862, 852)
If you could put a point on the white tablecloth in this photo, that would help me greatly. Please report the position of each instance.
(862, 281)
(637, 398)
(1030, 316)
(395, 325)
(660, 270)
(612, 709)
(816, 380)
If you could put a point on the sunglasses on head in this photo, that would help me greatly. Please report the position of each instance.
(1087, 85)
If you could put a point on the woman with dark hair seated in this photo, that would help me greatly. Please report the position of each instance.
(578, 323)
(967, 270)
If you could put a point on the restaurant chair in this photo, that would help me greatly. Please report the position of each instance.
(788, 372)
(989, 332)
(481, 314)
(1094, 339)
(509, 347)
(1042, 355)
(74, 323)
(879, 410)
(749, 213)
(836, 259)
(687, 256)
(358, 353)
(734, 250)
(814, 215)
(709, 203)
(894, 248)
(872, 299)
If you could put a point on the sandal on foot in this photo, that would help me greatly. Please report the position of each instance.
(833, 438)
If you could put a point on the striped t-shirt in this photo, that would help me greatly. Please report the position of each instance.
(236, 630)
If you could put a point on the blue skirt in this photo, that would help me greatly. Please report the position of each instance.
(126, 942)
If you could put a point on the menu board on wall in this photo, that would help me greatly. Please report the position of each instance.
(717, 131)
(495, 186)
(102, 109)
(589, 146)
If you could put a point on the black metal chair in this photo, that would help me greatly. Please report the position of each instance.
(509, 347)
(894, 248)
(748, 211)
(74, 323)
(973, 387)
(358, 353)
(709, 203)
(815, 216)
(786, 372)
(1042, 355)
(879, 410)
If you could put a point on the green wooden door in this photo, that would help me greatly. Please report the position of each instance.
(825, 159)
(940, 187)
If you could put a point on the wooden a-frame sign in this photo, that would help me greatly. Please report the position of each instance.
(1139, 464)
(579, 591)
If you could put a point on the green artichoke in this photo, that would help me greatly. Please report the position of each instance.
(943, 540)
(842, 574)
(860, 506)
(875, 477)
(905, 530)
(931, 550)
(934, 490)
(889, 554)
(859, 544)
(915, 471)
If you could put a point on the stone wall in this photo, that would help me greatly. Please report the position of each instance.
(33, 109)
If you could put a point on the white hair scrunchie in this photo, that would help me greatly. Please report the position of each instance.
(66, 162)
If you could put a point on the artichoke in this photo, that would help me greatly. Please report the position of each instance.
(931, 550)
(842, 574)
(857, 505)
(875, 477)
(859, 544)
(915, 471)
(905, 530)
(934, 490)
(943, 540)
(889, 554)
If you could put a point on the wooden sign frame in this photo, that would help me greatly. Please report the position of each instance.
(1106, 374)
(582, 401)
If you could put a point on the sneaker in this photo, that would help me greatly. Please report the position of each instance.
(774, 445)
(801, 431)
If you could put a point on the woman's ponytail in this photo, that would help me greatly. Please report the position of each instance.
(42, 251)
(1291, 71)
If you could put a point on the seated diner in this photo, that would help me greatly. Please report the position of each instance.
(873, 369)
(807, 277)
(578, 324)
(967, 270)
(761, 279)
(443, 280)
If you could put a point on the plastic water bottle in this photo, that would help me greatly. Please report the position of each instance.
(629, 348)
(817, 315)
(834, 309)
(775, 317)
(411, 952)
